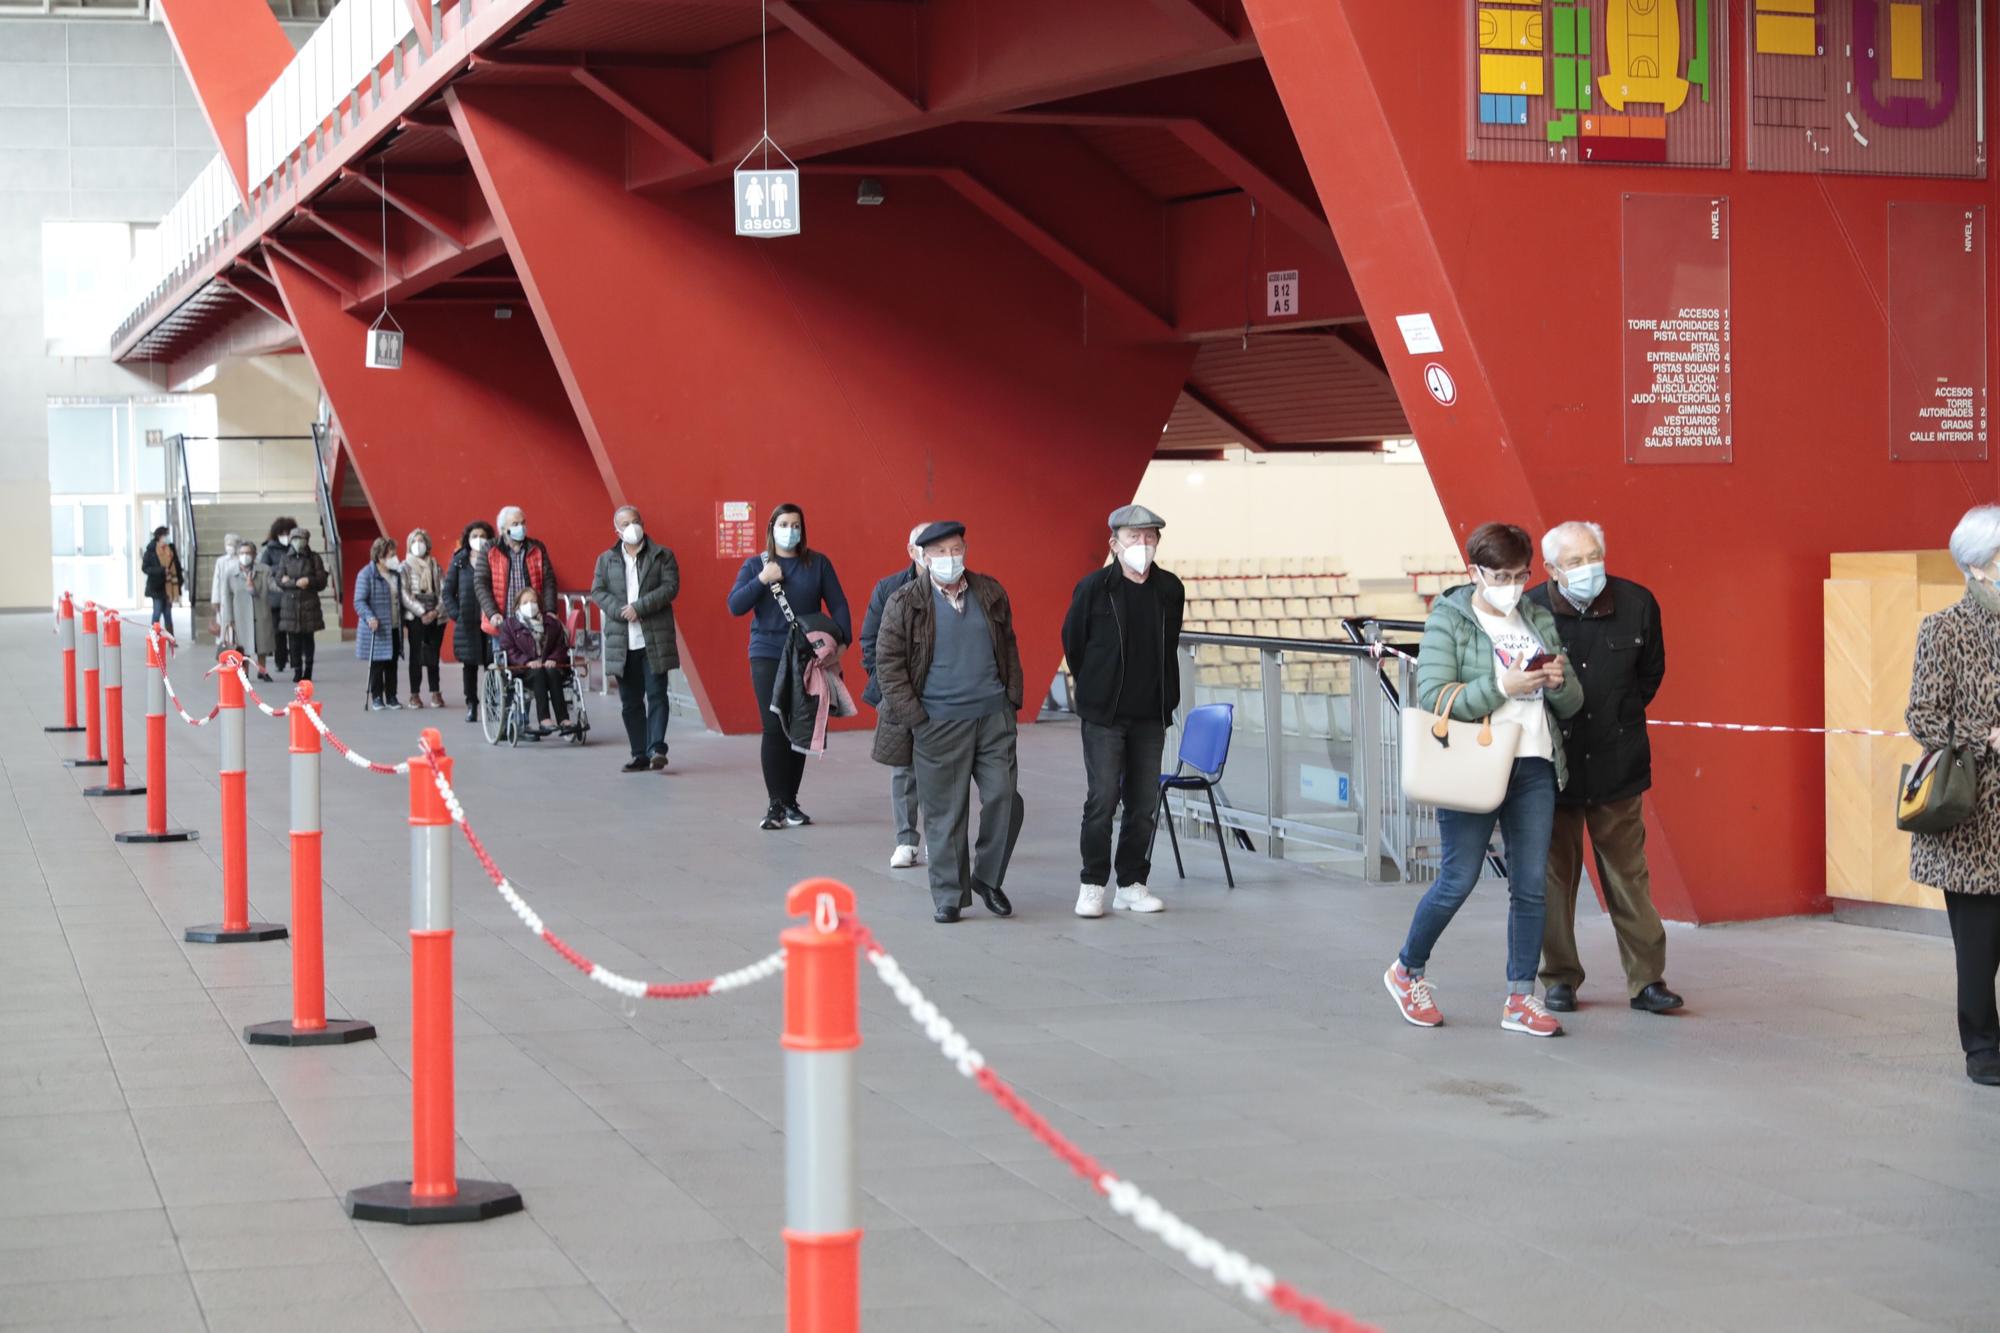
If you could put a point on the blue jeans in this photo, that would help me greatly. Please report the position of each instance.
(1525, 819)
(642, 701)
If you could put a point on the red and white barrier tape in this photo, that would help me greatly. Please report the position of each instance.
(1381, 650)
(630, 987)
(340, 747)
(1254, 1282)
(250, 693)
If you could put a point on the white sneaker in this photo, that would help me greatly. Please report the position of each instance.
(1137, 898)
(1090, 900)
(904, 858)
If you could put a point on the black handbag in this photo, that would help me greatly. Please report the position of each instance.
(1939, 791)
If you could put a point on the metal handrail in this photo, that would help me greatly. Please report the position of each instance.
(186, 543)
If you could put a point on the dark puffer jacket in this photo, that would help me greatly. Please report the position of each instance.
(298, 608)
(469, 642)
(1620, 656)
(904, 650)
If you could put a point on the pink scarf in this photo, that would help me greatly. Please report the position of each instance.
(825, 683)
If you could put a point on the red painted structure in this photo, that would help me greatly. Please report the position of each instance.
(1082, 201)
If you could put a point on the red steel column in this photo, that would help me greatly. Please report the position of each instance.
(156, 829)
(309, 1025)
(236, 927)
(66, 654)
(114, 713)
(822, 1224)
(434, 1193)
(93, 725)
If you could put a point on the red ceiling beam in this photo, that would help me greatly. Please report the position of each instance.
(265, 299)
(1226, 419)
(341, 284)
(843, 52)
(365, 244)
(617, 93)
(1198, 18)
(233, 51)
(402, 199)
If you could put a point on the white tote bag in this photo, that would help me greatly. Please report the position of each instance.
(1463, 766)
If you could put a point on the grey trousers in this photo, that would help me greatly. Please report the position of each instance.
(903, 804)
(950, 757)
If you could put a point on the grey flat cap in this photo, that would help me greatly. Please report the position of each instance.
(1136, 516)
(938, 531)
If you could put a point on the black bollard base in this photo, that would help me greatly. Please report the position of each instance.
(476, 1201)
(114, 791)
(165, 835)
(337, 1032)
(83, 763)
(256, 933)
(62, 728)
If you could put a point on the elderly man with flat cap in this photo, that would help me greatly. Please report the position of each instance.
(950, 673)
(1122, 638)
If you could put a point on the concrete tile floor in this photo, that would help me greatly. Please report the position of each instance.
(1798, 1150)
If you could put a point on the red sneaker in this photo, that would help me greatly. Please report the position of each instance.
(1412, 996)
(1524, 1013)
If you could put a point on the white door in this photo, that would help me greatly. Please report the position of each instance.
(91, 550)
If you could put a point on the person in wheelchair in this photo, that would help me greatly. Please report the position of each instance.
(537, 650)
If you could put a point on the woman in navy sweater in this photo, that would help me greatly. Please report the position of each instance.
(810, 585)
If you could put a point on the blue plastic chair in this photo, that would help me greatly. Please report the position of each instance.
(1204, 753)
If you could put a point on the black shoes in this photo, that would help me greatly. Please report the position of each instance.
(1655, 999)
(637, 766)
(796, 817)
(946, 915)
(996, 901)
(472, 712)
(1984, 1067)
(658, 761)
(264, 676)
(1560, 998)
(774, 818)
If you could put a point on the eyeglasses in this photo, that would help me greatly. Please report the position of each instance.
(1505, 578)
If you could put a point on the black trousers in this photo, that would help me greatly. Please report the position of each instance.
(642, 699)
(784, 767)
(546, 684)
(382, 679)
(1120, 762)
(284, 643)
(424, 642)
(302, 655)
(468, 674)
(1975, 939)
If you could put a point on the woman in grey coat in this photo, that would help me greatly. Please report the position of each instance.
(243, 606)
(1955, 698)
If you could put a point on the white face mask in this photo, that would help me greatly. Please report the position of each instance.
(1138, 557)
(298, 543)
(391, 563)
(519, 532)
(632, 534)
(479, 543)
(946, 569)
(530, 610)
(420, 549)
(245, 560)
(788, 537)
(1501, 599)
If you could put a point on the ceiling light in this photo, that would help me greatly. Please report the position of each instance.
(869, 192)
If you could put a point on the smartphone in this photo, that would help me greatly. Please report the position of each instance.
(1540, 660)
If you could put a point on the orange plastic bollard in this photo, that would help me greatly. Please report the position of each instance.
(434, 1193)
(309, 1025)
(156, 829)
(66, 656)
(822, 1232)
(93, 728)
(113, 672)
(236, 927)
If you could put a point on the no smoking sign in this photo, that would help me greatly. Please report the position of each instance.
(1438, 381)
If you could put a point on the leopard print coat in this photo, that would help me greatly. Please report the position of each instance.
(1955, 691)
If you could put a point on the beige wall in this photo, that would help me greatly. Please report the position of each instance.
(265, 395)
(1354, 507)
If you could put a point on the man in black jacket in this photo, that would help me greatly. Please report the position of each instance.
(902, 777)
(1611, 630)
(1122, 640)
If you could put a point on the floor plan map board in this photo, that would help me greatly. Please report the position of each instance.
(1598, 81)
(1887, 87)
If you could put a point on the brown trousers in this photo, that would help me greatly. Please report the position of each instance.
(1618, 841)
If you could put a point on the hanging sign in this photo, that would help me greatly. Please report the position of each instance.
(1281, 292)
(385, 349)
(736, 529)
(767, 202)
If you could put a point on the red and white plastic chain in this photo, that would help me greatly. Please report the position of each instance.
(340, 747)
(153, 638)
(250, 693)
(1253, 1282)
(630, 987)
(1381, 650)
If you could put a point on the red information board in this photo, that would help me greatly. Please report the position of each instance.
(1937, 333)
(736, 534)
(1675, 308)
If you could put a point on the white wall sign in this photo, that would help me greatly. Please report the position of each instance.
(1439, 382)
(767, 203)
(1419, 334)
(1281, 292)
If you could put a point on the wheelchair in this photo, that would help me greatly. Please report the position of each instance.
(507, 705)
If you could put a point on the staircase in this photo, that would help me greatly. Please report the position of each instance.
(202, 521)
